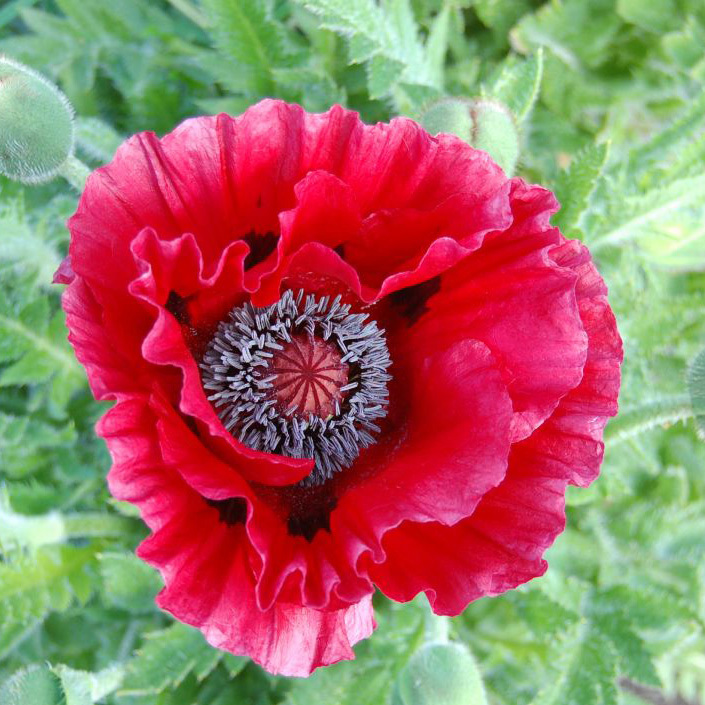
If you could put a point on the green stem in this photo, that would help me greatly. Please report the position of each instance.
(75, 172)
(191, 11)
(660, 412)
(437, 628)
(9, 12)
(97, 525)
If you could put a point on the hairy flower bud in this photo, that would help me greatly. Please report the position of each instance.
(483, 123)
(441, 674)
(36, 125)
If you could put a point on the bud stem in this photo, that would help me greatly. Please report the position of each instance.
(75, 172)
(437, 628)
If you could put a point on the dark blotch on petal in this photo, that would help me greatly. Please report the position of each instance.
(411, 302)
(178, 307)
(308, 518)
(232, 511)
(261, 246)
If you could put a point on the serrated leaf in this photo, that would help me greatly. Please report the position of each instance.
(318, 91)
(696, 389)
(661, 221)
(84, 688)
(634, 660)
(669, 142)
(96, 138)
(23, 248)
(166, 658)
(244, 31)
(588, 673)
(382, 74)
(517, 84)
(542, 614)
(575, 186)
(129, 583)
(25, 440)
(386, 38)
(39, 348)
(31, 587)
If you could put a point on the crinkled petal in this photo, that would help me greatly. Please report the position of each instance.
(177, 266)
(110, 374)
(452, 450)
(288, 568)
(206, 566)
(516, 299)
(501, 545)
(209, 584)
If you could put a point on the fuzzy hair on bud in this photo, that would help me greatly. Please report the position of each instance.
(36, 125)
(440, 674)
(481, 122)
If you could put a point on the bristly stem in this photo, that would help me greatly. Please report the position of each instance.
(75, 172)
(658, 412)
(437, 627)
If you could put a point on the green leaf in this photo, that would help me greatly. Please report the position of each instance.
(25, 442)
(382, 75)
(669, 142)
(315, 89)
(31, 587)
(661, 221)
(129, 583)
(634, 659)
(166, 658)
(437, 44)
(37, 343)
(517, 84)
(96, 139)
(24, 247)
(245, 33)
(587, 675)
(84, 688)
(542, 614)
(656, 16)
(575, 186)
(386, 36)
(610, 617)
(576, 31)
(696, 388)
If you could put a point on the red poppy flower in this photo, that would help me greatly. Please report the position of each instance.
(343, 356)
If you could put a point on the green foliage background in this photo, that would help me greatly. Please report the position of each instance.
(610, 101)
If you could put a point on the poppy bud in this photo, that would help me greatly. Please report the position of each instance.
(36, 125)
(483, 123)
(440, 674)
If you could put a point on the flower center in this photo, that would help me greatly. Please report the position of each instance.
(304, 377)
(310, 376)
